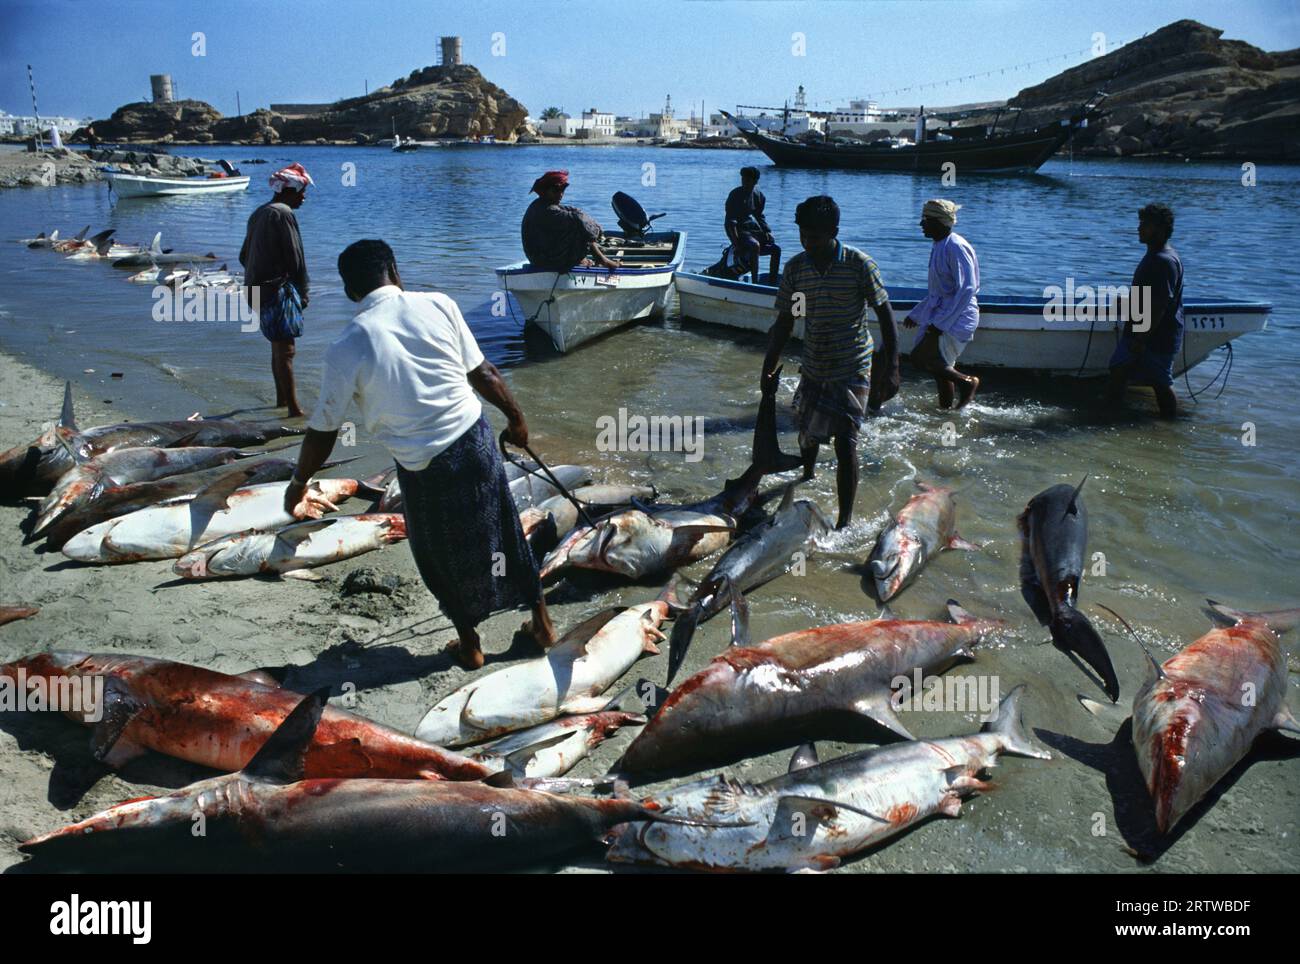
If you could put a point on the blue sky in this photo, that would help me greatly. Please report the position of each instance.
(91, 56)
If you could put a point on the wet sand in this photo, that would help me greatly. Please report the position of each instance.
(1042, 816)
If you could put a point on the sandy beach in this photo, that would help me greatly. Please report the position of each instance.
(1042, 816)
(389, 648)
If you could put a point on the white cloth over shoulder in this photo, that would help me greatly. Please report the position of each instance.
(403, 359)
(952, 305)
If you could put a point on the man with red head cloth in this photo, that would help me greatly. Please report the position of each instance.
(556, 236)
(274, 267)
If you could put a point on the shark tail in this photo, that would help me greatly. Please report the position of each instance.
(1007, 725)
(1072, 633)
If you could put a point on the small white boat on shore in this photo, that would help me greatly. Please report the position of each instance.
(139, 185)
(1015, 332)
(580, 304)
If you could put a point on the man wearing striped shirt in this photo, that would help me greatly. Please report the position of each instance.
(829, 286)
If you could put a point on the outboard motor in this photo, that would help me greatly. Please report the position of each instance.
(632, 219)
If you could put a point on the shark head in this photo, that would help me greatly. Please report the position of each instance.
(898, 557)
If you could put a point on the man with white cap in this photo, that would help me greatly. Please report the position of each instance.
(950, 313)
(275, 268)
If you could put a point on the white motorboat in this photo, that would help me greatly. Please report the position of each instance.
(1069, 336)
(139, 185)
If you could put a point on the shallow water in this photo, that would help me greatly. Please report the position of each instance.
(1180, 511)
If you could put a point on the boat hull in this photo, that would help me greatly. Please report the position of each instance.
(575, 306)
(134, 185)
(1014, 333)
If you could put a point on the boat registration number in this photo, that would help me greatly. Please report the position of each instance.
(607, 281)
(1207, 321)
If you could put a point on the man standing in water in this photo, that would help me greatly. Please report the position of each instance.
(950, 313)
(411, 365)
(746, 226)
(1146, 351)
(829, 285)
(275, 267)
(558, 236)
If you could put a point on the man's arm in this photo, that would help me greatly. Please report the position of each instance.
(777, 337)
(1156, 298)
(487, 381)
(316, 448)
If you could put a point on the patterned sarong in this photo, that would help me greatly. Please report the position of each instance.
(464, 532)
(823, 410)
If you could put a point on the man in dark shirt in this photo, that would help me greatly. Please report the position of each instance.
(275, 267)
(1153, 332)
(556, 236)
(747, 227)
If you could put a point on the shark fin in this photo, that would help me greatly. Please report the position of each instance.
(957, 542)
(1072, 507)
(739, 616)
(66, 418)
(120, 707)
(156, 246)
(1286, 721)
(216, 496)
(787, 499)
(281, 758)
(81, 235)
(294, 534)
(881, 712)
(804, 757)
(302, 575)
(519, 759)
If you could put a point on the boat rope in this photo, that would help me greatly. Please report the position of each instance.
(549, 477)
(550, 300)
(1225, 370)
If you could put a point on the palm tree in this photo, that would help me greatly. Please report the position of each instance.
(551, 112)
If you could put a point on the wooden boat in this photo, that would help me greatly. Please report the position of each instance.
(1015, 332)
(974, 149)
(580, 304)
(139, 185)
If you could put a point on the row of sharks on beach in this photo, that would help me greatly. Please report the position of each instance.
(481, 782)
(154, 264)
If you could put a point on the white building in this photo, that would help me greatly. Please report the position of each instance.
(592, 123)
(599, 123)
(26, 125)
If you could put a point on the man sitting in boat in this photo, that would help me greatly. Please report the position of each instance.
(950, 313)
(829, 285)
(412, 366)
(557, 236)
(747, 227)
(1146, 351)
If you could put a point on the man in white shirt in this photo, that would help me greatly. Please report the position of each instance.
(950, 313)
(412, 366)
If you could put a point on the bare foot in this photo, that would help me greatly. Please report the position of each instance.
(968, 390)
(843, 522)
(466, 657)
(295, 412)
(544, 636)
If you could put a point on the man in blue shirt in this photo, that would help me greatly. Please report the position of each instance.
(1153, 332)
(950, 311)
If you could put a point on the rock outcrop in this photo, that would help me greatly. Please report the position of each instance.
(452, 101)
(1181, 91)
